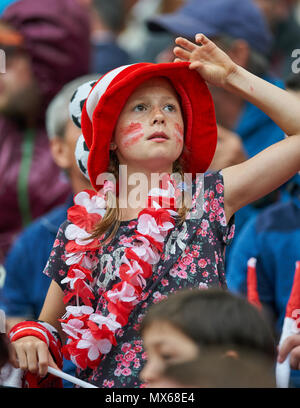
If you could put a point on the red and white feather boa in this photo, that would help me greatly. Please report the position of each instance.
(91, 334)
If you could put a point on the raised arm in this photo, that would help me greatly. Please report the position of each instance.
(256, 177)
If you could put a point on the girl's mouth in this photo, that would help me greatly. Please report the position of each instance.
(158, 137)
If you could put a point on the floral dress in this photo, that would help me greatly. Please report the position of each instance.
(193, 257)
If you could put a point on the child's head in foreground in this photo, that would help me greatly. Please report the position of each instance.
(188, 324)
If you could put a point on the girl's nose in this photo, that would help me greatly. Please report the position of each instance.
(157, 117)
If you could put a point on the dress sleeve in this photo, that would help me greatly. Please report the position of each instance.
(56, 267)
(213, 206)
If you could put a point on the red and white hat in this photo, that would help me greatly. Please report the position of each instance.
(108, 96)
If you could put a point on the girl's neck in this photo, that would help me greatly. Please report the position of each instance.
(134, 189)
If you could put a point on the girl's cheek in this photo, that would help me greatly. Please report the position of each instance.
(178, 133)
(131, 134)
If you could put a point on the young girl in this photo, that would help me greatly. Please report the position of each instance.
(112, 260)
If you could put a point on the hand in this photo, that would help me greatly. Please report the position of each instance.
(211, 62)
(32, 354)
(290, 345)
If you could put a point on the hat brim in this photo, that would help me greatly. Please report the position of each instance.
(197, 106)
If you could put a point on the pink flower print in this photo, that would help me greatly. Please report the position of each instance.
(56, 243)
(202, 263)
(144, 356)
(125, 363)
(61, 272)
(126, 372)
(120, 332)
(117, 372)
(211, 195)
(132, 224)
(187, 260)
(206, 206)
(219, 188)
(138, 349)
(126, 347)
(165, 282)
(130, 355)
(195, 254)
(193, 269)
(231, 234)
(110, 384)
(203, 233)
(203, 285)
(214, 205)
(136, 364)
(212, 217)
(182, 274)
(205, 274)
(173, 273)
(119, 357)
(204, 224)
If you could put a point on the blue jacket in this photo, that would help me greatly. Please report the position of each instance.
(273, 237)
(25, 285)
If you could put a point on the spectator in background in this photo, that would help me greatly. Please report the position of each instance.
(273, 238)
(204, 323)
(286, 29)
(240, 29)
(46, 45)
(107, 19)
(25, 286)
(144, 44)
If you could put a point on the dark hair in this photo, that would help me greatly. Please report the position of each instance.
(214, 317)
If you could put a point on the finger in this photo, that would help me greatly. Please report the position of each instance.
(186, 44)
(13, 358)
(181, 53)
(32, 359)
(21, 360)
(201, 39)
(195, 65)
(43, 359)
(52, 363)
(178, 60)
(287, 346)
(295, 358)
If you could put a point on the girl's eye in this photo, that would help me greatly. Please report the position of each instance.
(169, 107)
(139, 108)
(166, 356)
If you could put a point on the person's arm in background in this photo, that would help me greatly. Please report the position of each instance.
(250, 244)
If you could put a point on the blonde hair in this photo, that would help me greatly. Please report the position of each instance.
(107, 227)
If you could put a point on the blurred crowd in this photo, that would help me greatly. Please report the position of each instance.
(53, 46)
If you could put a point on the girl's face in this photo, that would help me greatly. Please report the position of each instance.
(165, 344)
(149, 131)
